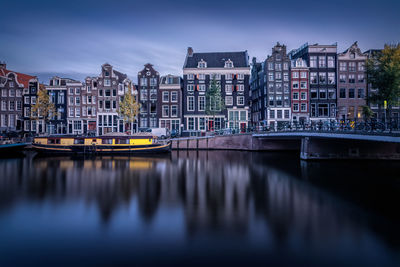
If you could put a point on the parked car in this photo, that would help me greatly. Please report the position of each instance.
(159, 132)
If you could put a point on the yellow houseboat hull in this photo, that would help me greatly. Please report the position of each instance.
(99, 145)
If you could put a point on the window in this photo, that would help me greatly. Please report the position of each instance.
(303, 96)
(271, 76)
(153, 94)
(71, 91)
(240, 76)
(279, 114)
(143, 81)
(11, 106)
(77, 112)
(228, 64)
(352, 66)
(286, 113)
(322, 94)
(11, 93)
(271, 87)
(84, 111)
(165, 111)
(295, 85)
(331, 94)
(313, 110)
(33, 100)
(342, 78)
(240, 100)
(71, 100)
(143, 94)
(322, 78)
(303, 75)
(77, 91)
(361, 66)
(270, 66)
(313, 78)
(26, 100)
(295, 74)
(107, 82)
(272, 114)
(360, 78)
(342, 66)
(228, 89)
(278, 66)
(352, 78)
(202, 87)
(271, 100)
(322, 61)
(303, 85)
(174, 96)
(342, 93)
(323, 110)
(61, 98)
(313, 61)
(279, 100)
(190, 103)
(190, 87)
(202, 103)
(295, 107)
(202, 64)
(174, 111)
(190, 123)
(71, 112)
(351, 93)
(77, 100)
(360, 93)
(296, 96)
(285, 66)
(303, 107)
(240, 87)
(228, 100)
(314, 94)
(190, 76)
(19, 105)
(201, 76)
(165, 96)
(107, 104)
(278, 76)
(331, 78)
(153, 81)
(331, 62)
(19, 93)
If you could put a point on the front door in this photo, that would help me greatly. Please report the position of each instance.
(210, 125)
(242, 127)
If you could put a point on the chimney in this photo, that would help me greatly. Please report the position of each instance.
(190, 51)
(3, 65)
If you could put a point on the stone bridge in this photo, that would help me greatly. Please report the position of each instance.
(309, 145)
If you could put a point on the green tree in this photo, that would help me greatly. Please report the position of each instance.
(383, 72)
(44, 108)
(367, 112)
(129, 107)
(214, 101)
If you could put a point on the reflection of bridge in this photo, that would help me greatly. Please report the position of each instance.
(312, 145)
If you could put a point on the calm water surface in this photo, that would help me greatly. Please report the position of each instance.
(198, 208)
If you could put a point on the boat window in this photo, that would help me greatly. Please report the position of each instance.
(106, 141)
(79, 141)
(58, 141)
(50, 141)
(93, 140)
(122, 141)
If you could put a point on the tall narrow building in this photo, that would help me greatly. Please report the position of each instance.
(321, 60)
(170, 102)
(232, 72)
(148, 87)
(16, 89)
(111, 86)
(277, 71)
(258, 89)
(300, 95)
(352, 85)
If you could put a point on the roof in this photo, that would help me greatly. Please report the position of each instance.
(121, 76)
(21, 77)
(217, 59)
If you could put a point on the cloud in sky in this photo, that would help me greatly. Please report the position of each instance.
(75, 37)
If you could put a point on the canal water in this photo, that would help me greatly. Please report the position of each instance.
(198, 208)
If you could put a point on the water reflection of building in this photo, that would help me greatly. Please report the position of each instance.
(219, 192)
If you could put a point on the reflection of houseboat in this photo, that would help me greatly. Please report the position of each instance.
(119, 144)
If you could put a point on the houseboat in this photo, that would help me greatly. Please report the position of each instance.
(118, 144)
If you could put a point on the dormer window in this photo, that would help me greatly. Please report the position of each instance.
(352, 55)
(228, 64)
(202, 64)
(107, 73)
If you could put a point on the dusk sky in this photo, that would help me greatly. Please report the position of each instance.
(73, 38)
